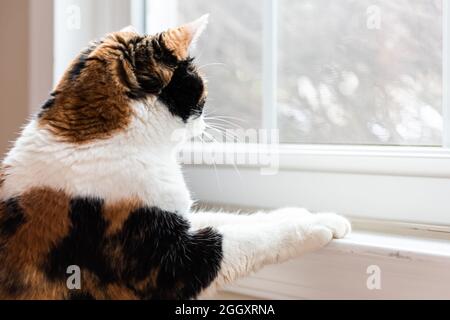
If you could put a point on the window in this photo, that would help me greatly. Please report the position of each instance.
(349, 72)
(360, 72)
(230, 53)
(357, 90)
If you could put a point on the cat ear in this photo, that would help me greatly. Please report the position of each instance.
(182, 39)
(130, 29)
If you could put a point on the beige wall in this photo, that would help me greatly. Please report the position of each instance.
(26, 63)
(14, 84)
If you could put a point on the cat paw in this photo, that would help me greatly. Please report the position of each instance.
(338, 225)
(312, 231)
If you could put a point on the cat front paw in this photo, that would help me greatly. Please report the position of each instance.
(338, 225)
(309, 232)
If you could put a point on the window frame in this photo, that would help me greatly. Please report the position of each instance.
(362, 183)
(316, 170)
(377, 165)
(446, 73)
(364, 178)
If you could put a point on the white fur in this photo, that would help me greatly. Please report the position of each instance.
(140, 162)
(251, 242)
(196, 28)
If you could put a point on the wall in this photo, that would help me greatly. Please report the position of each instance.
(14, 39)
(26, 63)
(41, 52)
(77, 22)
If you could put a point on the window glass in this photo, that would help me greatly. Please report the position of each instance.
(230, 54)
(360, 72)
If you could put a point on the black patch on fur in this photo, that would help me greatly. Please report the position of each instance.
(149, 81)
(147, 51)
(81, 61)
(187, 262)
(84, 244)
(73, 73)
(79, 65)
(192, 266)
(183, 95)
(135, 52)
(130, 50)
(150, 240)
(12, 219)
(133, 92)
(48, 104)
(162, 54)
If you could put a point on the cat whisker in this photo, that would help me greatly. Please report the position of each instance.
(229, 117)
(215, 167)
(227, 134)
(233, 162)
(224, 122)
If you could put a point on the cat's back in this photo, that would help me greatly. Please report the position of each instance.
(46, 236)
(30, 225)
(82, 206)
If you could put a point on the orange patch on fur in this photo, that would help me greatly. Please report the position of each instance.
(94, 104)
(117, 213)
(88, 110)
(150, 281)
(178, 40)
(164, 73)
(91, 101)
(92, 286)
(46, 222)
(117, 292)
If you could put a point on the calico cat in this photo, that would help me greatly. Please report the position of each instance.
(93, 182)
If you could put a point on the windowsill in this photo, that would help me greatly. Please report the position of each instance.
(403, 192)
(411, 268)
(420, 198)
(393, 246)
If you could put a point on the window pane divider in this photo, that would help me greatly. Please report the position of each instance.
(270, 64)
(446, 74)
(138, 14)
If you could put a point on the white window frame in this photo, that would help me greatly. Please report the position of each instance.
(354, 180)
(358, 181)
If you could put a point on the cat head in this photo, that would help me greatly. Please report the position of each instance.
(140, 85)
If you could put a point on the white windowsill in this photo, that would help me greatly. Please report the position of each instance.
(406, 189)
(385, 183)
(411, 268)
(388, 245)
